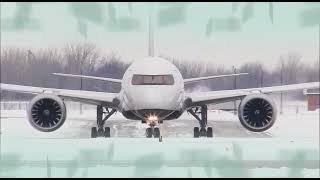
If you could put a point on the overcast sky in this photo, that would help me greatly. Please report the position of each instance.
(257, 39)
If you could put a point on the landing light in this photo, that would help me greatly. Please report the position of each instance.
(152, 118)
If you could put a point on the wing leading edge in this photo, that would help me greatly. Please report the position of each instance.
(214, 97)
(89, 77)
(193, 80)
(89, 97)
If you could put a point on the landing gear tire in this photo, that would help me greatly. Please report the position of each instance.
(149, 132)
(156, 132)
(209, 132)
(106, 132)
(203, 132)
(94, 133)
(100, 132)
(196, 132)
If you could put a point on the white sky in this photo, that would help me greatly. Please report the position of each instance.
(258, 39)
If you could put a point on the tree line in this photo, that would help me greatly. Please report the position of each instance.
(35, 67)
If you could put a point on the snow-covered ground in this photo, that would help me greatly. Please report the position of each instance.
(304, 124)
(289, 149)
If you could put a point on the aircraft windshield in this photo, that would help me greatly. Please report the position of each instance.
(152, 79)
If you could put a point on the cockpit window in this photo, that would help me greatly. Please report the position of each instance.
(138, 79)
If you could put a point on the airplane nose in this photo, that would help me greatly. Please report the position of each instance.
(154, 98)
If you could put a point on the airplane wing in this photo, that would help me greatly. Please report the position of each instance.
(192, 80)
(89, 97)
(215, 97)
(89, 77)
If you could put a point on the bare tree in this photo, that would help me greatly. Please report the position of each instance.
(35, 67)
(291, 67)
(79, 59)
(112, 67)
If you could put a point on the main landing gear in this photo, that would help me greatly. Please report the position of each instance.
(200, 113)
(102, 131)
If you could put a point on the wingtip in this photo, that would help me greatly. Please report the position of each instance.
(239, 74)
(57, 74)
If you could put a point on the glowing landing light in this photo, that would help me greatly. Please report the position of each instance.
(152, 118)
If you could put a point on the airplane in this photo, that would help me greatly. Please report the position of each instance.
(152, 91)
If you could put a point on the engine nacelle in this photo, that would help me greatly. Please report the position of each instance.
(257, 112)
(47, 112)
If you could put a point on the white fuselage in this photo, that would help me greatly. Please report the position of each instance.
(151, 98)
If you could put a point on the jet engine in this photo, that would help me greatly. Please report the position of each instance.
(46, 112)
(257, 112)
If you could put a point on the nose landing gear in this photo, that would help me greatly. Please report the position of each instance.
(152, 131)
(201, 116)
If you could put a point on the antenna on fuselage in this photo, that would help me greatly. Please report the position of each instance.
(151, 31)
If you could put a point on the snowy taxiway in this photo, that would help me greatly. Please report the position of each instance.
(289, 149)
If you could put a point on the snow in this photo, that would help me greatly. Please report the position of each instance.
(139, 157)
(289, 149)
